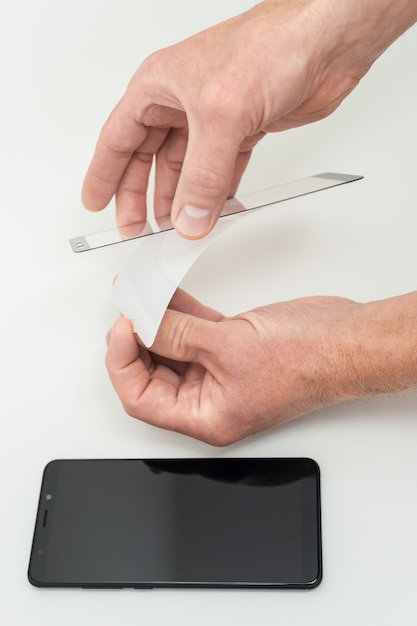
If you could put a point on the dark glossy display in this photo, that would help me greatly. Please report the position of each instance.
(187, 522)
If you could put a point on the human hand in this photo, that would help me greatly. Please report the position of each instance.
(199, 107)
(221, 379)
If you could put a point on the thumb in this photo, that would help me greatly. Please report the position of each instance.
(205, 180)
(183, 337)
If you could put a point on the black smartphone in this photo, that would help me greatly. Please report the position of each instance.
(222, 522)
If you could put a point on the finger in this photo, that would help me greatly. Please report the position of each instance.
(154, 393)
(128, 372)
(120, 137)
(132, 188)
(184, 337)
(130, 365)
(241, 163)
(183, 302)
(206, 177)
(243, 158)
(168, 163)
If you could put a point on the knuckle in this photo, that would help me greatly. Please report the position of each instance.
(228, 427)
(221, 439)
(207, 180)
(220, 101)
(149, 69)
(129, 408)
(179, 336)
(224, 103)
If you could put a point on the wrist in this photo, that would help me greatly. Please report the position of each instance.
(369, 28)
(350, 34)
(377, 349)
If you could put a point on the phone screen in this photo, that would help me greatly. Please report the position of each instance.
(223, 522)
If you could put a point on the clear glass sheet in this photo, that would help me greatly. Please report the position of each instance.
(248, 202)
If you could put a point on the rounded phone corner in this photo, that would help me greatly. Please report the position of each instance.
(51, 464)
(32, 580)
(313, 584)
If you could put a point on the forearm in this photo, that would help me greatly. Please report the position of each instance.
(383, 20)
(373, 25)
(348, 35)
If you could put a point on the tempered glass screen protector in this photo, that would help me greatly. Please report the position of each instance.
(178, 523)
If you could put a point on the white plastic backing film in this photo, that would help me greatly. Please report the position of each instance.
(146, 284)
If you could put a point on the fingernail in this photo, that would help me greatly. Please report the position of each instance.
(193, 221)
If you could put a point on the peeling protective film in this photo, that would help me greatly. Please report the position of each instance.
(145, 286)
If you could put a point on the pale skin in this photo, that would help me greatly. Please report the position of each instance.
(221, 379)
(198, 109)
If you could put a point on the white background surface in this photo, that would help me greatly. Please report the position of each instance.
(64, 64)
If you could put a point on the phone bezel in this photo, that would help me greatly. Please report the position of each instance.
(311, 502)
